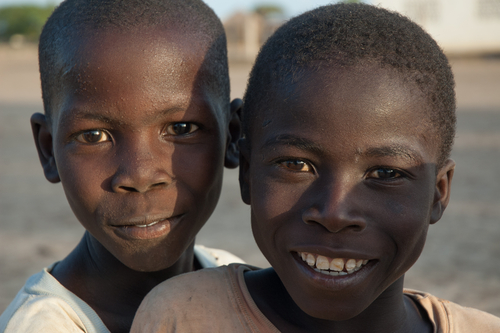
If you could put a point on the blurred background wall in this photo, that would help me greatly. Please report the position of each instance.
(461, 27)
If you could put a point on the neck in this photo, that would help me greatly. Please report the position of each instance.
(109, 287)
(390, 312)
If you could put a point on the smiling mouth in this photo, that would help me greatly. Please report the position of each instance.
(147, 227)
(146, 221)
(332, 266)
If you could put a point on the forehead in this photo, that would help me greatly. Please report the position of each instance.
(354, 102)
(162, 56)
(152, 65)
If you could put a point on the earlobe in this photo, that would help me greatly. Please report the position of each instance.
(234, 133)
(43, 143)
(244, 172)
(442, 190)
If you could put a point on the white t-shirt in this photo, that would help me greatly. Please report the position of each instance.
(43, 305)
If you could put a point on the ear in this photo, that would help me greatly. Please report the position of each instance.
(43, 143)
(244, 176)
(234, 134)
(442, 191)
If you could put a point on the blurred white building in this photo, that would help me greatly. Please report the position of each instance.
(246, 32)
(459, 26)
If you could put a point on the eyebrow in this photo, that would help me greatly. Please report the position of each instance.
(292, 140)
(395, 150)
(78, 114)
(88, 115)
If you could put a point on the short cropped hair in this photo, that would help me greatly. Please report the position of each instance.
(350, 35)
(74, 20)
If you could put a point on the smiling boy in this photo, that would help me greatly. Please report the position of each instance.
(349, 119)
(137, 128)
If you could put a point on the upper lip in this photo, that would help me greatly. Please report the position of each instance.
(334, 253)
(143, 220)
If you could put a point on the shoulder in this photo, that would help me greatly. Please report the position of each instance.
(44, 305)
(201, 285)
(190, 302)
(42, 314)
(453, 318)
(36, 311)
(468, 320)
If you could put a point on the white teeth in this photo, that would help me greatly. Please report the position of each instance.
(337, 265)
(322, 262)
(147, 225)
(334, 267)
(350, 265)
(311, 261)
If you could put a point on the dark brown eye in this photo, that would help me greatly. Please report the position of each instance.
(385, 173)
(181, 128)
(296, 165)
(93, 136)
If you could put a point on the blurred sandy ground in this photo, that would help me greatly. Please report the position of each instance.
(461, 261)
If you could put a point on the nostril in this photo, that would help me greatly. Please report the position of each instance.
(159, 184)
(356, 227)
(128, 189)
(335, 224)
(138, 189)
(133, 180)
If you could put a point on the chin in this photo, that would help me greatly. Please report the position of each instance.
(337, 314)
(148, 267)
(146, 262)
(332, 314)
(327, 309)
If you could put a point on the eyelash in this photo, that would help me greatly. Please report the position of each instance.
(80, 136)
(399, 174)
(285, 163)
(170, 129)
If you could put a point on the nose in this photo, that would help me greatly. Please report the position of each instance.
(143, 167)
(335, 206)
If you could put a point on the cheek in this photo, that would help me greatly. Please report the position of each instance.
(84, 180)
(270, 200)
(410, 216)
(412, 228)
(275, 211)
(200, 169)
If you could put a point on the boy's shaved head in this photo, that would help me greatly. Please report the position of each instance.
(347, 35)
(75, 21)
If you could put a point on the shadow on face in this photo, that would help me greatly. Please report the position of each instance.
(138, 140)
(342, 180)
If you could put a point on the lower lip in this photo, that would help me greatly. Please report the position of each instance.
(338, 282)
(157, 230)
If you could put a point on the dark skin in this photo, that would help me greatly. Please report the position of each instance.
(342, 169)
(91, 272)
(139, 146)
